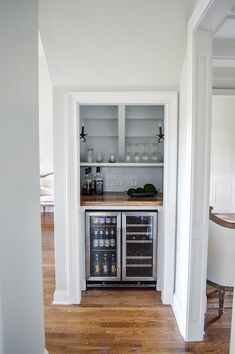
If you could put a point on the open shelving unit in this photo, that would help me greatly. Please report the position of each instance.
(111, 128)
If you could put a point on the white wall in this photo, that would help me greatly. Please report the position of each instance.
(110, 42)
(106, 46)
(182, 234)
(222, 196)
(21, 307)
(45, 114)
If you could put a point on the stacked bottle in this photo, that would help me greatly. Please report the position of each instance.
(104, 238)
(105, 265)
(92, 184)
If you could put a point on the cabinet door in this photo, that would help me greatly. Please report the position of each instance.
(139, 246)
(103, 246)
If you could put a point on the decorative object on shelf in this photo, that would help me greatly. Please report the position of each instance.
(99, 157)
(90, 155)
(160, 135)
(112, 158)
(83, 134)
(154, 157)
(148, 190)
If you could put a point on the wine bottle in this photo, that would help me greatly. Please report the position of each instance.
(95, 239)
(106, 240)
(105, 265)
(112, 239)
(101, 239)
(97, 264)
(113, 265)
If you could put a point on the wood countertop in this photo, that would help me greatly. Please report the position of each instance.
(120, 199)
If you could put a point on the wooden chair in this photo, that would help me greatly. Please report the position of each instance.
(221, 254)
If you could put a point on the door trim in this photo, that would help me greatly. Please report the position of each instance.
(169, 100)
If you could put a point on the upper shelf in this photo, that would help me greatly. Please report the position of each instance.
(123, 164)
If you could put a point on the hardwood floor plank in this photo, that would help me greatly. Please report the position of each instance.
(122, 321)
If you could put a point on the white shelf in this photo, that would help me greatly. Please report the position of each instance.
(122, 164)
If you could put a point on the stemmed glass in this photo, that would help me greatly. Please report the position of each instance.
(154, 155)
(145, 155)
(136, 154)
(129, 155)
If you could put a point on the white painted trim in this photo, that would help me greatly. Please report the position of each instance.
(45, 352)
(207, 15)
(170, 102)
(178, 312)
(223, 92)
(61, 297)
(169, 193)
(73, 178)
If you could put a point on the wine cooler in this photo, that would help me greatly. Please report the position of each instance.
(121, 248)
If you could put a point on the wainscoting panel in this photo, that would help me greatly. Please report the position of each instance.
(223, 194)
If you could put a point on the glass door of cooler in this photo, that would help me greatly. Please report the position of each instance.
(139, 246)
(103, 254)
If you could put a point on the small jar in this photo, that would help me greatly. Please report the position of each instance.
(112, 158)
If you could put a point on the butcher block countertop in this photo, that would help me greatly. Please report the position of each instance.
(120, 199)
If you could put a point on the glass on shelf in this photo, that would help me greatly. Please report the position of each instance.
(90, 155)
(112, 158)
(145, 155)
(136, 153)
(99, 157)
(129, 155)
(154, 155)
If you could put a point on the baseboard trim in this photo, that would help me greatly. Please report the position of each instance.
(159, 285)
(45, 352)
(178, 315)
(83, 285)
(61, 297)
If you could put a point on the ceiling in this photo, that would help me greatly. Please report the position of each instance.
(224, 53)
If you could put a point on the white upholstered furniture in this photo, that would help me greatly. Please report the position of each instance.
(47, 191)
(221, 254)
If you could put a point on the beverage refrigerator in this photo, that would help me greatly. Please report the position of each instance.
(121, 248)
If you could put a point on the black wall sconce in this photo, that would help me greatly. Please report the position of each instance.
(160, 135)
(82, 134)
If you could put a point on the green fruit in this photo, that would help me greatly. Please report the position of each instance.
(149, 188)
(139, 190)
(131, 190)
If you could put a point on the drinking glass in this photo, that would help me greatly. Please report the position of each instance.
(129, 155)
(90, 155)
(99, 157)
(145, 155)
(154, 155)
(136, 154)
(112, 158)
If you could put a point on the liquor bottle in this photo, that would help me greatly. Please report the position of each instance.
(87, 183)
(113, 265)
(106, 240)
(101, 239)
(105, 265)
(92, 177)
(97, 264)
(99, 182)
(112, 239)
(95, 239)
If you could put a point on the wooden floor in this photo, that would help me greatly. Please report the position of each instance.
(122, 321)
